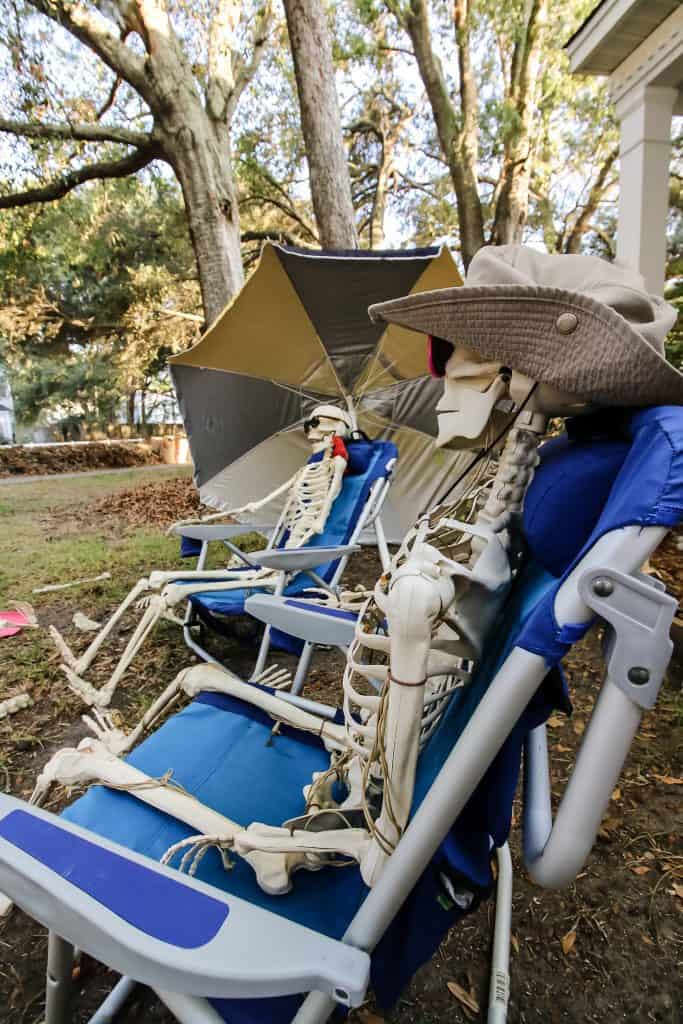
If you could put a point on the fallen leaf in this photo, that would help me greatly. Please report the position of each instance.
(567, 942)
(616, 794)
(515, 943)
(370, 1018)
(561, 749)
(578, 726)
(668, 780)
(647, 940)
(555, 722)
(678, 890)
(640, 869)
(467, 999)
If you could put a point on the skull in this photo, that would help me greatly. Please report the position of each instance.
(325, 421)
(479, 395)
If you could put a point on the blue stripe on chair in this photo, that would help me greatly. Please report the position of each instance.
(320, 609)
(158, 906)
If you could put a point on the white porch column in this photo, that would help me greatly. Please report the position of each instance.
(645, 114)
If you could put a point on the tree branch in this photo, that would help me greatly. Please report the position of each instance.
(104, 169)
(80, 132)
(244, 71)
(89, 30)
(572, 243)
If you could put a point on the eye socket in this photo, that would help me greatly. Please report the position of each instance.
(311, 423)
(439, 352)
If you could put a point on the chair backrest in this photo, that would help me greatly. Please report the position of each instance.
(369, 461)
(584, 487)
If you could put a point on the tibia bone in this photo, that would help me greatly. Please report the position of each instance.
(91, 763)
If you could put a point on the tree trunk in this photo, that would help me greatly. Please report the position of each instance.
(199, 151)
(458, 141)
(513, 199)
(309, 38)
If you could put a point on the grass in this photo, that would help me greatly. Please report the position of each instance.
(52, 540)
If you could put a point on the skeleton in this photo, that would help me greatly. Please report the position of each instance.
(311, 493)
(418, 637)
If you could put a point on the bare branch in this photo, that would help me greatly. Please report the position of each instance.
(284, 208)
(86, 27)
(572, 242)
(135, 161)
(109, 102)
(79, 132)
(244, 71)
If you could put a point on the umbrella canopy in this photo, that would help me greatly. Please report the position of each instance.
(299, 334)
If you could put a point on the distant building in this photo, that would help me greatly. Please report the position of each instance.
(7, 425)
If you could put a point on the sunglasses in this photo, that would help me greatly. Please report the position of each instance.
(439, 352)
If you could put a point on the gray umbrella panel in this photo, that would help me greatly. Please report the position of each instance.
(302, 320)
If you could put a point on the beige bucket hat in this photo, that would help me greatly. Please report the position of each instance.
(578, 323)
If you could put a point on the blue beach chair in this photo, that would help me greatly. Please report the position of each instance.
(217, 948)
(320, 563)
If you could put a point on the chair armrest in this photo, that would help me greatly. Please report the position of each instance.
(162, 928)
(222, 531)
(298, 559)
(307, 621)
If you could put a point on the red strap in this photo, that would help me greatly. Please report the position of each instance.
(339, 448)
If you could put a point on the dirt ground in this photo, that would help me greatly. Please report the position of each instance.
(609, 948)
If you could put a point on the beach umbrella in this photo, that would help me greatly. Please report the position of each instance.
(298, 334)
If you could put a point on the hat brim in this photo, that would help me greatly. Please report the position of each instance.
(603, 360)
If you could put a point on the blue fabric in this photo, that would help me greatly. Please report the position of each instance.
(222, 751)
(556, 524)
(157, 905)
(190, 548)
(647, 491)
(340, 525)
(319, 609)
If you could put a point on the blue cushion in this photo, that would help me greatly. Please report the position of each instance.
(557, 522)
(647, 491)
(218, 748)
(339, 528)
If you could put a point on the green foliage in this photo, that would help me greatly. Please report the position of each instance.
(90, 292)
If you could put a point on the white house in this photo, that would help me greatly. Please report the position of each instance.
(639, 45)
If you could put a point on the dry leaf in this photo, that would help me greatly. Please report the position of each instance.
(677, 889)
(578, 726)
(561, 749)
(668, 780)
(640, 869)
(370, 1018)
(555, 722)
(616, 794)
(515, 943)
(467, 999)
(647, 940)
(567, 942)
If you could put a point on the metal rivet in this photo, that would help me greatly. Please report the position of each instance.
(638, 675)
(602, 587)
(566, 323)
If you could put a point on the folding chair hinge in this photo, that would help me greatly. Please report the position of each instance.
(640, 613)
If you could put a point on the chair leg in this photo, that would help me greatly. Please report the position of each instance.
(60, 963)
(107, 1011)
(315, 1009)
(262, 654)
(189, 1009)
(303, 667)
(500, 958)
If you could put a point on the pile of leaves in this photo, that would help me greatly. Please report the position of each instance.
(152, 504)
(17, 460)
